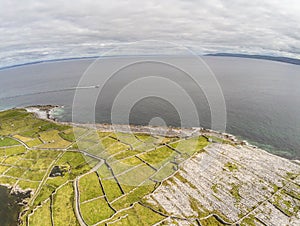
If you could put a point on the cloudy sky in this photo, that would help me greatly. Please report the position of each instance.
(33, 30)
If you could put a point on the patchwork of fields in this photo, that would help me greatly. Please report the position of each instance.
(79, 176)
(83, 176)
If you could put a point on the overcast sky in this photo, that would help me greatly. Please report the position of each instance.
(33, 30)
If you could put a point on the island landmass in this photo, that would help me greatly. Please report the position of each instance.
(81, 174)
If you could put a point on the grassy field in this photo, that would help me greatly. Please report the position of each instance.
(89, 187)
(159, 156)
(95, 211)
(5, 142)
(63, 206)
(136, 215)
(42, 215)
(190, 146)
(132, 166)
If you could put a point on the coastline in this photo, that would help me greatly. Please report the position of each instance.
(16, 198)
(43, 111)
(46, 112)
(219, 143)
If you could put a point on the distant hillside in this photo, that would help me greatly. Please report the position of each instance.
(262, 57)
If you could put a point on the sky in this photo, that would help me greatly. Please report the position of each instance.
(34, 30)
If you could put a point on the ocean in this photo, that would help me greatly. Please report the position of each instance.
(262, 98)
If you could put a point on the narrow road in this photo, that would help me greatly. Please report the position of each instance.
(77, 195)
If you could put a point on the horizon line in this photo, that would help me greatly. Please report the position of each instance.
(283, 59)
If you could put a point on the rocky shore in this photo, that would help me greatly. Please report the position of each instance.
(43, 111)
(46, 112)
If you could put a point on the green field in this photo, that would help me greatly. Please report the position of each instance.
(51, 160)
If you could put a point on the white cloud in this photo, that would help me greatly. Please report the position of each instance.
(35, 30)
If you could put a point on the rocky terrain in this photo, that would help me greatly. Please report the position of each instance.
(232, 185)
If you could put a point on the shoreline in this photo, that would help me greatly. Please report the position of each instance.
(46, 112)
(43, 111)
(16, 198)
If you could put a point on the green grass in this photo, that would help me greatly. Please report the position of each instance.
(159, 156)
(104, 134)
(145, 137)
(190, 146)
(142, 147)
(5, 142)
(133, 196)
(44, 193)
(89, 187)
(145, 215)
(12, 113)
(132, 161)
(38, 154)
(20, 122)
(55, 182)
(164, 172)
(41, 164)
(125, 154)
(163, 140)
(95, 211)
(28, 185)
(211, 221)
(15, 172)
(7, 180)
(292, 176)
(108, 141)
(68, 135)
(3, 169)
(184, 180)
(52, 139)
(63, 206)
(127, 138)
(116, 148)
(136, 176)
(11, 160)
(136, 215)
(119, 167)
(231, 166)
(131, 171)
(214, 188)
(75, 162)
(2, 152)
(249, 221)
(34, 142)
(275, 188)
(281, 201)
(216, 139)
(110, 186)
(88, 140)
(22, 138)
(234, 191)
(111, 189)
(15, 150)
(42, 215)
(35, 175)
(103, 171)
(97, 150)
(52, 126)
